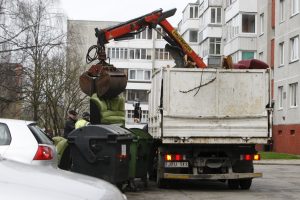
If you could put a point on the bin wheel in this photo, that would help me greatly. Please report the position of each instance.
(233, 184)
(162, 183)
(245, 184)
(145, 181)
(132, 186)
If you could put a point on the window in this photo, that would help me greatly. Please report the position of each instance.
(141, 95)
(131, 54)
(145, 34)
(262, 23)
(248, 23)
(130, 114)
(194, 12)
(139, 75)
(233, 27)
(246, 55)
(144, 54)
(39, 135)
(5, 137)
(162, 54)
(293, 94)
(214, 45)
(280, 97)
(294, 48)
(215, 16)
(159, 36)
(292, 132)
(144, 116)
(193, 36)
(295, 7)
(117, 53)
(281, 10)
(281, 54)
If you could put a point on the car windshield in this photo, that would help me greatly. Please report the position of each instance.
(39, 135)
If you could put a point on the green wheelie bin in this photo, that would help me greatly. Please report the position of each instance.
(140, 156)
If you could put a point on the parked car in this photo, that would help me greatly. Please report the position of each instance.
(24, 141)
(24, 181)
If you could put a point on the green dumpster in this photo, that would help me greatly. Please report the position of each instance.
(140, 155)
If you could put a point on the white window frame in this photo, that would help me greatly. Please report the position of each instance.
(217, 10)
(139, 54)
(190, 33)
(281, 54)
(144, 117)
(248, 14)
(215, 43)
(294, 50)
(193, 12)
(262, 23)
(280, 97)
(135, 72)
(281, 10)
(162, 54)
(145, 35)
(295, 7)
(293, 87)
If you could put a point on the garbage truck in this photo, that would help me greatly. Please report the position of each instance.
(205, 122)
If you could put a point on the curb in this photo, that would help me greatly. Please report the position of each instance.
(278, 162)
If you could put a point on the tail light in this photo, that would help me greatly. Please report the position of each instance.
(43, 153)
(174, 157)
(121, 157)
(250, 157)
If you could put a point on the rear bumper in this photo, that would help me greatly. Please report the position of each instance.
(215, 140)
(211, 176)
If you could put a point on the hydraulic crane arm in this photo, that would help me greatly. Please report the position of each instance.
(151, 20)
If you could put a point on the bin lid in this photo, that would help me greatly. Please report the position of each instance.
(140, 133)
(100, 131)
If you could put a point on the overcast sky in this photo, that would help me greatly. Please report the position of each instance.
(120, 10)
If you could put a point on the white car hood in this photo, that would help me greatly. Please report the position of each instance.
(20, 181)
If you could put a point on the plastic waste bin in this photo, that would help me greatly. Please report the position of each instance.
(140, 155)
(101, 151)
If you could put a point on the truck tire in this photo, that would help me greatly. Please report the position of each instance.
(162, 183)
(233, 184)
(245, 184)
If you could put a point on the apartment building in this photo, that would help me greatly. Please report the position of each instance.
(286, 130)
(137, 57)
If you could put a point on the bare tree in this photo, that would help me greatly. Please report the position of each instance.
(37, 43)
(62, 91)
(50, 81)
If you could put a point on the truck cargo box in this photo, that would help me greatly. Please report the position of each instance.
(210, 105)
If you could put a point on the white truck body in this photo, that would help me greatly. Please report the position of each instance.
(229, 107)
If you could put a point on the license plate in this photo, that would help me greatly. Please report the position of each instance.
(176, 164)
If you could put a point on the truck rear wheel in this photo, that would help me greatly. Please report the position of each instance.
(162, 183)
(245, 184)
(233, 184)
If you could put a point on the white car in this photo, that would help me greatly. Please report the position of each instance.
(23, 181)
(25, 142)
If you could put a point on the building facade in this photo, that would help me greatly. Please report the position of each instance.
(286, 130)
(137, 57)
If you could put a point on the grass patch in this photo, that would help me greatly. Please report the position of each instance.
(273, 155)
